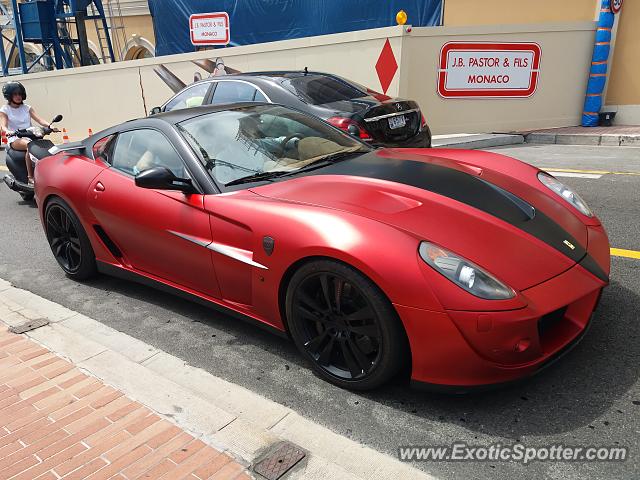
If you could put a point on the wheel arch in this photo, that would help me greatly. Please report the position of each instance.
(299, 263)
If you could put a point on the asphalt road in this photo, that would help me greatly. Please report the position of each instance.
(591, 397)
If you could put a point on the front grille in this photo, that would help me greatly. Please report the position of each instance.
(550, 320)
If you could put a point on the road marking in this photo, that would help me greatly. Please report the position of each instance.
(555, 173)
(618, 252)
(592, 172)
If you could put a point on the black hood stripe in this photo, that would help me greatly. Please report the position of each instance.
(470, 190)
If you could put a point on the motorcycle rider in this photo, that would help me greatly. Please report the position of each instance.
(16, 115)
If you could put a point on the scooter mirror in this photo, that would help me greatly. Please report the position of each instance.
(58, 118)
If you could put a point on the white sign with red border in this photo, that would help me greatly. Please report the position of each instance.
(209, 28)
(616, 6)
(488, 70)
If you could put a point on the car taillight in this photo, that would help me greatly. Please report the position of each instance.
(356, 130)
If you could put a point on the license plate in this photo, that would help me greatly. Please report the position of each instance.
(397, 122)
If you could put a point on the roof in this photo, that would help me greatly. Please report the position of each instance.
(264, 74)
(176, 116)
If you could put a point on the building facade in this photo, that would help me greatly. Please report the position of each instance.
(622, 93)
(133, 37)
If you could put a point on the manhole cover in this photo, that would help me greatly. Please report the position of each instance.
(30, 325)
(280, 461)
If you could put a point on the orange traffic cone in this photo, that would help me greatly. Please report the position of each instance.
(65, 136)
(90, 132)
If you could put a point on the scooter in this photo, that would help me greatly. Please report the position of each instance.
(37, 149)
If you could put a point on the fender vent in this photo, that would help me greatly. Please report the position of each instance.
(113, 248)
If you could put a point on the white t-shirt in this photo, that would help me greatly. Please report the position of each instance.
(19, 117)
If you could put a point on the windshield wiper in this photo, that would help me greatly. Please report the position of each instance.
(319, 163)
(324, 161)
(256, 177)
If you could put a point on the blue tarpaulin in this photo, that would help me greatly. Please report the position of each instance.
(257, 21)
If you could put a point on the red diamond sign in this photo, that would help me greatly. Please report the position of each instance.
(386, 66)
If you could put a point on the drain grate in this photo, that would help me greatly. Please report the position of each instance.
(280, 461)
(28, 326)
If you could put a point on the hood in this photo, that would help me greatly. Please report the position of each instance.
(471, 211)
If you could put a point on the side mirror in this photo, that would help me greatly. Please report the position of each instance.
(161, 178)
(58, 118)
(155, 111)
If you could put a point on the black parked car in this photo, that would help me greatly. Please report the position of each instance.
(373, 117)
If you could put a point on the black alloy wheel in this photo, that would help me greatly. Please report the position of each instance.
(347, 328)
(68, 241)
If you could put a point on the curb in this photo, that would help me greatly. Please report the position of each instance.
(476, 141)
(226, 416)
(608, 140)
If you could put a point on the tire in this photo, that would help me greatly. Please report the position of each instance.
(68, 241)
(26, 196)
(344, 325)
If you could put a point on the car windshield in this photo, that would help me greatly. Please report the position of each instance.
(321, 89)
(263, 141)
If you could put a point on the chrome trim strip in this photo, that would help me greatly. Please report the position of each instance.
(222, 79)
(211, 80)
(218, 248)
(394, 114)
(231, 253)
(189, 238)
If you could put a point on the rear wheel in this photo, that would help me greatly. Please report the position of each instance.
(68, 241)
(344, 325)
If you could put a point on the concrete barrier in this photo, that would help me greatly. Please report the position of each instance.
(99, 96)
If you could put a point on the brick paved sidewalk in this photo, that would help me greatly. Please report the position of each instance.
(56, 422)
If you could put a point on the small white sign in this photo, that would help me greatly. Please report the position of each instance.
(209, 28)
(488, 70)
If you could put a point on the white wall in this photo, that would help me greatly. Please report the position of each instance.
(99, 96)
(558, 101)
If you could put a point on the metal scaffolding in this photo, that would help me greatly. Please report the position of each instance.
(116, 29)
(60, 28)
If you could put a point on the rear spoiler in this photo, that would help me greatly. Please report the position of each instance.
(78, 148)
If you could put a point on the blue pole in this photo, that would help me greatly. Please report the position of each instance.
(3, 57)
(17, 22)
(599, 65)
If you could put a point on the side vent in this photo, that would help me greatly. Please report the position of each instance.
(113, 248)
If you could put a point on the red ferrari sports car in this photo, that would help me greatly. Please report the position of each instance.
(468, 267)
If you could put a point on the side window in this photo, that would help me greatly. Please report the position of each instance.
(138, 150)
(102, 148)
(228, 92)
(191, 97)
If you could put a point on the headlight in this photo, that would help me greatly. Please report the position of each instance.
(565, 192)
(464, 273)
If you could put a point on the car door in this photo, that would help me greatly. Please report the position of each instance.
(159, 232)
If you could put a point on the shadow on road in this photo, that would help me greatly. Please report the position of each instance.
(572, 393)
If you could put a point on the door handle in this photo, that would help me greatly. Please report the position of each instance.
(99, 187)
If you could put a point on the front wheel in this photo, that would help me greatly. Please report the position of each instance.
(344, 325)
(68, 241)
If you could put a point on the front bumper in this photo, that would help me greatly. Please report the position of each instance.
(462, 350)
